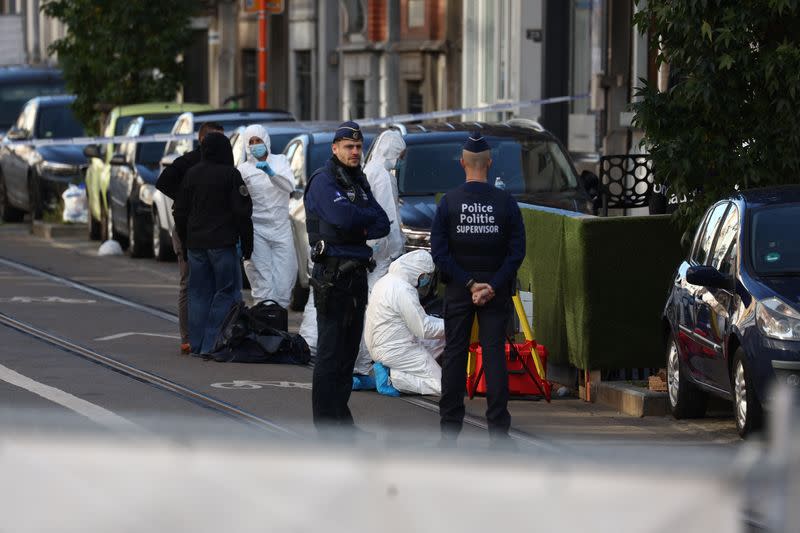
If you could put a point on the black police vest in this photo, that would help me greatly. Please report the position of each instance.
(321, 230)
(478, 233)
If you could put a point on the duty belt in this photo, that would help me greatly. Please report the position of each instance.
(344, 265)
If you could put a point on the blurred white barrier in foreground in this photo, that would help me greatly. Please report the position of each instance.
(103, 485)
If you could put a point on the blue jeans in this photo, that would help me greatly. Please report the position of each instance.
(214, 286)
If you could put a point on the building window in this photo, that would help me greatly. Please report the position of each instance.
(414, 97)
(353, 16)
(250, 78)
(416, 13)
(358, 100)
(303, 73)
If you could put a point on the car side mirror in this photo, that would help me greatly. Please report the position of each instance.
(92, 150)
(590, 182)
(119, 159)
(18, 134)
(708, 276)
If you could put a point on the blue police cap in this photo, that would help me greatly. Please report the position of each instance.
(348, 130)
(476, 143)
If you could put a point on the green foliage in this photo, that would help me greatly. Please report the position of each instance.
(731, 116)
(121, 51)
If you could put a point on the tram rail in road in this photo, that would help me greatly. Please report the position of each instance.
(144, 376)
(213, 403)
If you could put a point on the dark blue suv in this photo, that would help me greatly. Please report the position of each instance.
(532, 163)
(732, 319)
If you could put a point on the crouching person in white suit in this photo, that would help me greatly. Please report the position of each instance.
(395, 324)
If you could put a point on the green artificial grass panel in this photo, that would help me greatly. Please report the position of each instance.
(627, 266)
(599, 286)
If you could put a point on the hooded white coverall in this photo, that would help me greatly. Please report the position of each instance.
(395, 324)
(272, 269)
(387, 149)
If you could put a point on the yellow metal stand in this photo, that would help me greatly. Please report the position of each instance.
(526, 331)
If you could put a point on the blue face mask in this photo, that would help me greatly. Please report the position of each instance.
(424, 280)
(258, 150)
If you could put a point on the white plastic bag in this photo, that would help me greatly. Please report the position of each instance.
(75, 207)
(110, 247)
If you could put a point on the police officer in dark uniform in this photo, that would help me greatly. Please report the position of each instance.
(478, 243)
(341, 214)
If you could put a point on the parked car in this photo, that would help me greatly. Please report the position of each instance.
(732, 318)
(32, 178)
(532, 163)
(134, 171)
(18, 84)
(306, 153)
(99, 172)
(189, 123)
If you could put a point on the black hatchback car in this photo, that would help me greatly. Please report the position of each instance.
(732, 318)
(532, 163)
(32, 177)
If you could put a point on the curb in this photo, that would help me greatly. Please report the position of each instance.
(631, 400)
(47, 230)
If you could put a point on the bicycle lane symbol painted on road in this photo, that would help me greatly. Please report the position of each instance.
(251, 385)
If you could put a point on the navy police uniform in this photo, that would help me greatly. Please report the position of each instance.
(341, 214)
(477, 236)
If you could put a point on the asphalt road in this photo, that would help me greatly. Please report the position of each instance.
(136, 328)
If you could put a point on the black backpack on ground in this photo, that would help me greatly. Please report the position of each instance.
(268, 314)
(245, 338)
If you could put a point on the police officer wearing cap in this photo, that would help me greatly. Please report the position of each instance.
(478, 243)
(341, 214)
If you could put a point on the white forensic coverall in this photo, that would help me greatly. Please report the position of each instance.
(272, 269)
(387, 149)
(395, 325)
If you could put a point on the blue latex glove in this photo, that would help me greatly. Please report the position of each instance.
(263, 165)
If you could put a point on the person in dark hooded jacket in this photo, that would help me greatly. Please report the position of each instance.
(212, 212)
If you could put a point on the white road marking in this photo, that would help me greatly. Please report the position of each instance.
(93, 412)
(250, 385)
(132, 333)
(44, 300)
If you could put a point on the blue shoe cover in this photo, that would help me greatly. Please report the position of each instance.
(382, 381)
(363, 382)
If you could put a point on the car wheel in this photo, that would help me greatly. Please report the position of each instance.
(685, 399)
(299, 297)
(95, 229)
(105, 225)
(139, 244)
(162, 244)
(35, 207)
(746, 408)
(8, 213)
(112, 231)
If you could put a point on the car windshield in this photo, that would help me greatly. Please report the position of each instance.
(318, 154)
(13, 98)
(525, 167)
(279, 141)
(149, 153)
(775, 240)
(57, 122)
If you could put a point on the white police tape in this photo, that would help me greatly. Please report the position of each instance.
(395, 119)
(504, 106)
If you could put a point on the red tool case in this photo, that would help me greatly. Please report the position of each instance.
(523, 378)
